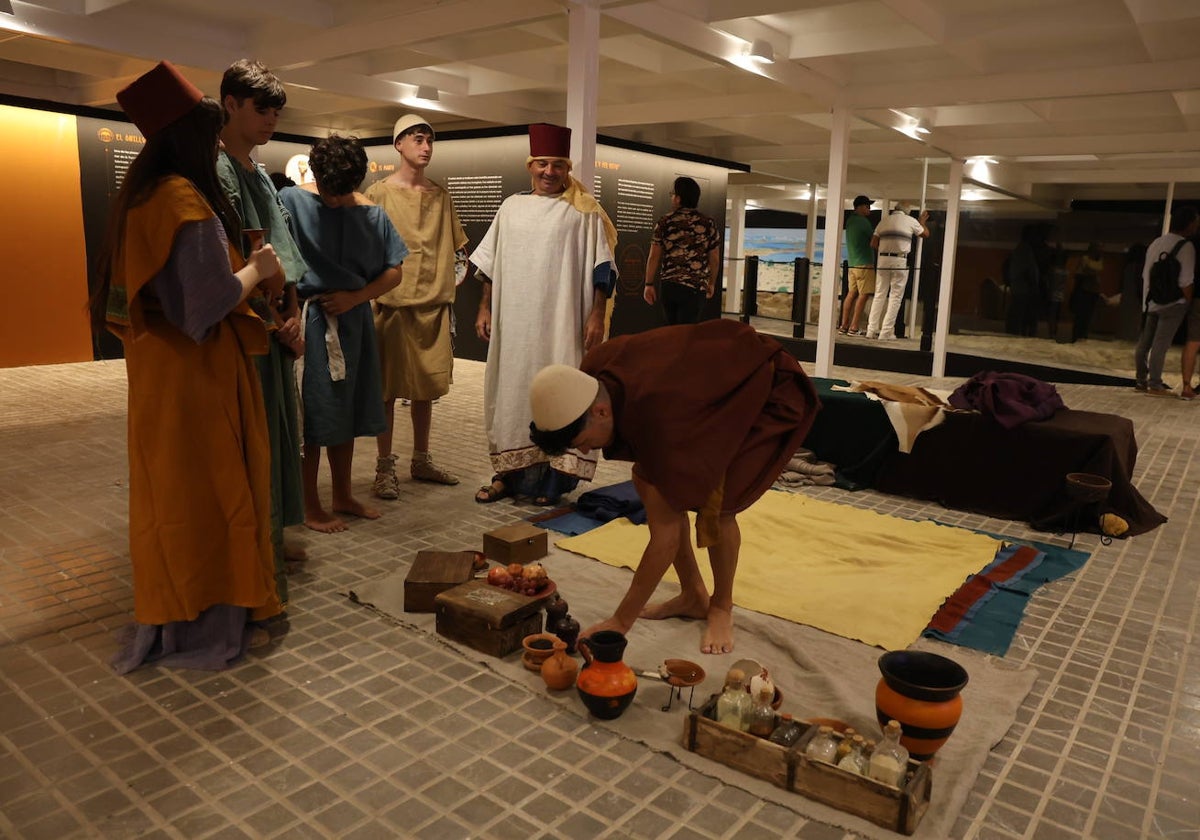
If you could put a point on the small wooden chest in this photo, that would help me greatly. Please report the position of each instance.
(521, 543)
(898, 809)
(433, 572)
(490, 619)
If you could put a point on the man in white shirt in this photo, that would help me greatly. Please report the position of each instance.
(893, 240)
(1162, 320)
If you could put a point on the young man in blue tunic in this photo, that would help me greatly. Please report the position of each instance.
(354, 255)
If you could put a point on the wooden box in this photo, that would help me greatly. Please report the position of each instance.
(898, 809)
(521, 543)
(433, 572)
(490, 619)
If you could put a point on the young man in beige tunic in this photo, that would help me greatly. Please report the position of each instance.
(413, 321)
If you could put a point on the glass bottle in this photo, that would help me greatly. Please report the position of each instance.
(889, 762)
(787, 732)
(762, 716)
(854, 761)
(844, 744)
(823, 746)
(733, 706)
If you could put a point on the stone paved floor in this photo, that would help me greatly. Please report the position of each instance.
(350, 727)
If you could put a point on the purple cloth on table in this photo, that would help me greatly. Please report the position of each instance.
(196, 287)
(1009, 398)
(210, 642)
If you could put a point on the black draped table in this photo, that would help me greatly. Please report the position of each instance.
(969, 462)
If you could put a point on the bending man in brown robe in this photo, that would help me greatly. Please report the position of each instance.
(709, 415)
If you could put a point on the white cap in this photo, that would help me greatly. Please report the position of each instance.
(408, 121)
(559, 395)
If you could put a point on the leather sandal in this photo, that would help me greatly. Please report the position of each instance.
(489, 493)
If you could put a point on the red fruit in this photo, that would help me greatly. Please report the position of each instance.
(516, 569)
(499, 576)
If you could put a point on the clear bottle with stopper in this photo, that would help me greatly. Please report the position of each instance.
(855, 761)
(762, 716)
(844, 744)
(889, 761)
(823, 746)
(733, 706)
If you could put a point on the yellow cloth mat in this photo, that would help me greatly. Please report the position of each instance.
(855, 573)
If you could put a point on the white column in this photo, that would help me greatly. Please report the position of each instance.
(946, 285)
(810, 244)
(735, 248)
(810, 241)
(583, 87)
(912, 303)
(1166, 226)
(827, 317)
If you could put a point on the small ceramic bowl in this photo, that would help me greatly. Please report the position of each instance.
(538, 648)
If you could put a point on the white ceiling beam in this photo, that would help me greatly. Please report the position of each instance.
(1088, 144)
(147, 35)
(380, 90)
(1163, 76)
(399, 29)
(686, 110)
(696, 36)
(859, 152)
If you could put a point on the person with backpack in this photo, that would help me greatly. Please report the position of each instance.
(1169, 257)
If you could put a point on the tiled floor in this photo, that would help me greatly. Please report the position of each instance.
(350, 727)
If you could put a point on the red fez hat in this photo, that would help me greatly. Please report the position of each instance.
(156, 99)
(549, 141)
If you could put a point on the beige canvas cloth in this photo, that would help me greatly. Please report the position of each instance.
(820, 675)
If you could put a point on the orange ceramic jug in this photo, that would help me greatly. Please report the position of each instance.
(606, 684)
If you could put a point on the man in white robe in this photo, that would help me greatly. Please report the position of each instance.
(547, 267)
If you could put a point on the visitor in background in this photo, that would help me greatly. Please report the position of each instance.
(861, 259)
(685, 253)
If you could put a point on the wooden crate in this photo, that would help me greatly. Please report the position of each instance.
(898, 809)
(521, 543)
(433, 572)
(490, 619)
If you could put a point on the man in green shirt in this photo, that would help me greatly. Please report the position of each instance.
(862, 265)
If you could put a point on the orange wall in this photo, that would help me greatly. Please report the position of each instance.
(43, 261)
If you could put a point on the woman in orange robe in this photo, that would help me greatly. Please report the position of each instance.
(176, 292)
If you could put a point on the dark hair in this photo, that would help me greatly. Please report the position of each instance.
(1181, 217)
(280, 181)
(424, 128)
(558, 441)
(688, 192)
(186, 147)
(246, 78)
(339, 164)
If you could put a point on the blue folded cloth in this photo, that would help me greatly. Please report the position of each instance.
(605, 504)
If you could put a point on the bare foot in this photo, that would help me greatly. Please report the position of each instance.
(353, 507)
(610, 624)
(681, 606)
(718, 636)
(323, 523)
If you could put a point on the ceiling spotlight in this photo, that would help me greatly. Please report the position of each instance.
(760, 51)
(428, 93)
(920, 129)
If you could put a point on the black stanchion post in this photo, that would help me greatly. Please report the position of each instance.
(799, 296)
(750, 290)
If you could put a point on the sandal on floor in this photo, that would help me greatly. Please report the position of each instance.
(489, 493)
